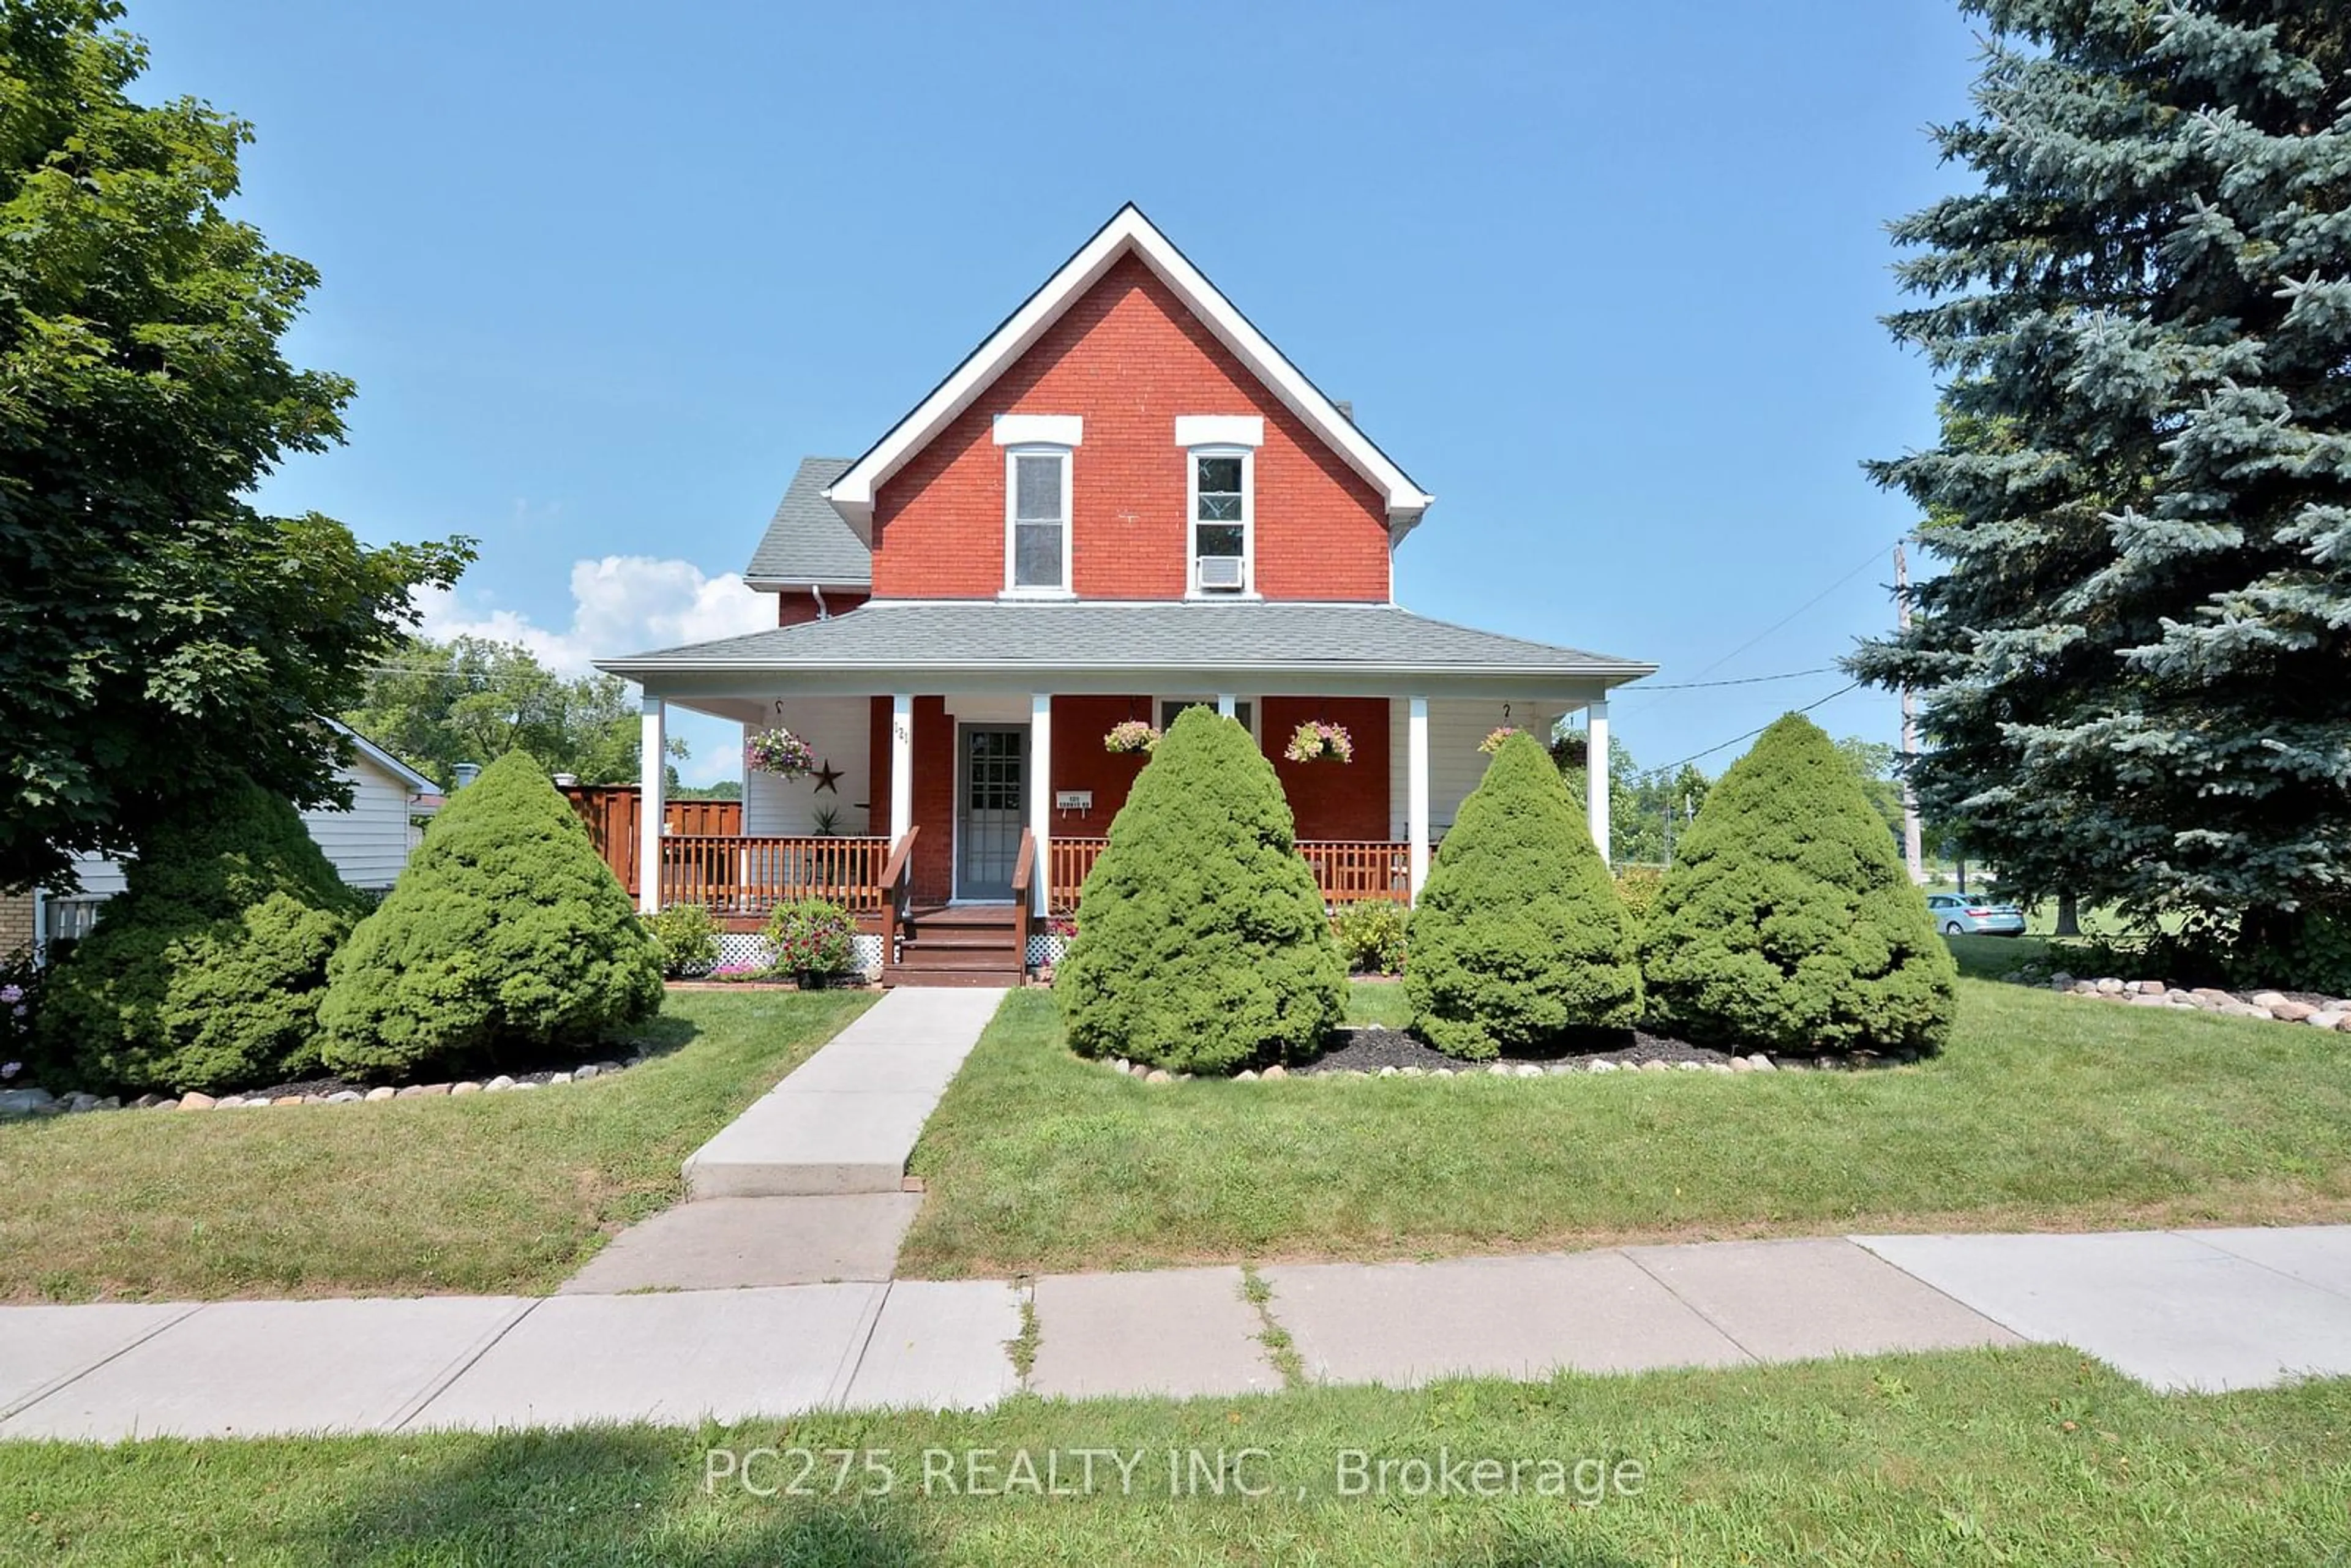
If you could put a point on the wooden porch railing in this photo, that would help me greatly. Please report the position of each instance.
(743, 875)
(1069, 861)
(1353, 871)
(1348, 870)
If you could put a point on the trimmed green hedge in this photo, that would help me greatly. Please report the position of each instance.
(1788, 921)
(507, 930)
(1202, 944)
(206, 971)
(1519, 934)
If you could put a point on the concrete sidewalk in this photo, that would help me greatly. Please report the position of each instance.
(2184, 1311)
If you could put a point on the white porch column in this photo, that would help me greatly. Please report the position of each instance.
(1229, 704)
(902, 767)
(1595, 773)
(652, 762)
(1416, 792)
(1041, 794)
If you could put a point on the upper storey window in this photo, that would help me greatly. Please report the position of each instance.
(1221, 520)
(1037, 527)
(1038, 448)
(1220, 498)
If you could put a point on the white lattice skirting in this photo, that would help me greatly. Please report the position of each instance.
(750, 947)
(1045, 947)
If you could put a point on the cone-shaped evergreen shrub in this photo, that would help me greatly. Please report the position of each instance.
(1519, 934)
(1787, 920)
(206, 970)
(1202, 946)
(507, 930)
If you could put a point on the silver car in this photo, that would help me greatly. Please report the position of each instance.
(1959, 916)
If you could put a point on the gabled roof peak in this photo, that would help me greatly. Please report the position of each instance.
(1129, 232)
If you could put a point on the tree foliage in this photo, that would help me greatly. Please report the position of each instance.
(160, 640)
(1788, 920)
(474, 700)
(506, 932)
(206, 971)
(1202, 944)
(2134, 670)
(1519, 934)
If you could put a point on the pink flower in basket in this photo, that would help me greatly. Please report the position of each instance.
(1493, 741)
(780, 752)
(1314, 741)
(1132, 735)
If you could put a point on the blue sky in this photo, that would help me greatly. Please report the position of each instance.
(1605, 279)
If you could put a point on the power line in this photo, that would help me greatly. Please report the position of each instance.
(1866, 562)
(1758, 729)
(1738, 680)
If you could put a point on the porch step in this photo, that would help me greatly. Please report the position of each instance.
(901, 978)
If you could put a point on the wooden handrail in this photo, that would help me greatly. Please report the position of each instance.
(893, 883)
(1024, 875)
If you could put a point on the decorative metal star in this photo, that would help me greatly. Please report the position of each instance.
(827, 778)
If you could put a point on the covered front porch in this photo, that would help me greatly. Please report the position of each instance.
(958, 758)
(1014, 799)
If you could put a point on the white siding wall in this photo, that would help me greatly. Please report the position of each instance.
(370, 842)
(1455, 764)
(840, 731)
(367, 844)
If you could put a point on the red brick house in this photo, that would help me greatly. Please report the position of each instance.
(1125, 501)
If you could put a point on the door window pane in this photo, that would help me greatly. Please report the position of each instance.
(1169, 709)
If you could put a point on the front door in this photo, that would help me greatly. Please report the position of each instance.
(990, 771)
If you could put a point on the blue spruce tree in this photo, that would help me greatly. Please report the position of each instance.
(2135, 671)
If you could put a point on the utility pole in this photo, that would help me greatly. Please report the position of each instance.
(1911, 851)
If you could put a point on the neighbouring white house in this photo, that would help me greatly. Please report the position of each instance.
(367, 844)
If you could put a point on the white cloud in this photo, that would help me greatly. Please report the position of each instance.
(620, 604)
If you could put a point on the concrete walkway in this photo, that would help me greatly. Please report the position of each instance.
(2181, 1309)
(846, 1119)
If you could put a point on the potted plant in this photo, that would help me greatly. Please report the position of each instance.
(1494, 738)
(1131, 735)
(1316, 741)
(780, 752)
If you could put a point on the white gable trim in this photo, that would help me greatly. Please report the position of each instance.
(851, 495)
(416, 782)
(1039, 430)
(1219, 430)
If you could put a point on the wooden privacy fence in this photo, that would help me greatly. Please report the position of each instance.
(1348, 870)
(610, 812)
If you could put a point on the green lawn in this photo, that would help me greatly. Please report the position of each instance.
(2026, 1457)
(493, 1193)
(2044, 1111)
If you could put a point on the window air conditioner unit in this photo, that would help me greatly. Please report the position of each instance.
(1220, 573)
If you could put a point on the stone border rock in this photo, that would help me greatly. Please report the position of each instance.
(1757, 1062)
(16, 1104)
(2323, 1013)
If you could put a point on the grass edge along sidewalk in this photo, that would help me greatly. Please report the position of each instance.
(2033, 1455)
(2042, 1114)
(487, 1194)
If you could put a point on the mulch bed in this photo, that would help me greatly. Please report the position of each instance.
(1370, 1048)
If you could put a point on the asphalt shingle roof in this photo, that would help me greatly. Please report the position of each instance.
(807, 542)
(988, 635)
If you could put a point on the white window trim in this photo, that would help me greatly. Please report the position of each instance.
(1192, 456)
(1012, 456)
(1219, 430)
(1208, 700)
(1039, 430)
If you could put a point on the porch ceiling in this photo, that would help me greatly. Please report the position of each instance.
(1373, 649)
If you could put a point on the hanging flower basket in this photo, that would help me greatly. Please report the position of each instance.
(780, 752)
(1315, 741)
(1131, 735)
(1494, 740)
